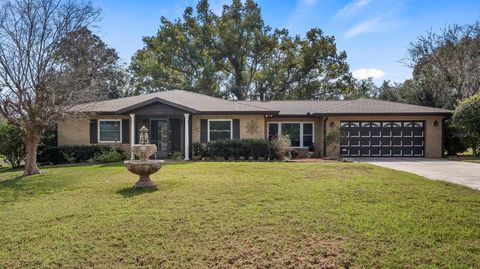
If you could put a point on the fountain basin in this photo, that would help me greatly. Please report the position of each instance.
(144, 168)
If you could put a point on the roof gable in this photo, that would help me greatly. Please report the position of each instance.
(184, 100)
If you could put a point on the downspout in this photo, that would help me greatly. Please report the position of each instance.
(443, 137)
(324, 135)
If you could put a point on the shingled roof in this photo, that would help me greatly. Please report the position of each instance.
(345, 107)
(185, 100)
(199, 103)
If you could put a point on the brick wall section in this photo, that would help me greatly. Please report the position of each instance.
(77, 131)
(433, 134)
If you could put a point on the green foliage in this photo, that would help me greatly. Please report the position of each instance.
(455, 142)
(334, 138)
(108, 156)
(467, 119)
(177, 155)
(97, 68)
(73, 154)
(237, 56)
(252, 149)
(11, 145)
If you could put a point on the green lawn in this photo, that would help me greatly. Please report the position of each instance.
(237, 215)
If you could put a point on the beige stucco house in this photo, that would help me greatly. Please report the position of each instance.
(176, 119)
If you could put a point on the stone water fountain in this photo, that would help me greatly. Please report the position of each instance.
(144, 167)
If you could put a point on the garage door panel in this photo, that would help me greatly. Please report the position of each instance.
(382, 138)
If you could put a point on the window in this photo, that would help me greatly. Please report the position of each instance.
(219, 130)
(272, 131)
(308, 135)
(300, 134)
(292, 130)
(110, 131)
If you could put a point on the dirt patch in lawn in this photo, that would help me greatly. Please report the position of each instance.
(283, 251)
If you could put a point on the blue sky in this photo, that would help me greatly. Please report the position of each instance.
(374, 33)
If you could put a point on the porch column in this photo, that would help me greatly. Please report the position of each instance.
(132, 135)
(187, 136)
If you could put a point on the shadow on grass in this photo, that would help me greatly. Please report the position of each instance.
(13, 183)
(6, 169)
(129, 192)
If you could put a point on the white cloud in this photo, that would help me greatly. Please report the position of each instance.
(364, 73)
(352, 8)
(369, 25)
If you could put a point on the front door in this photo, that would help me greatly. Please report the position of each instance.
(159, 135)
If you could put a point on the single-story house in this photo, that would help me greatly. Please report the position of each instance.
(176, 119)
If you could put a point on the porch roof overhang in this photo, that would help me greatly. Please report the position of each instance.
(133, 107)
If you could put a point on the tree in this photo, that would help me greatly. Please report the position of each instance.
(97, 67)
(364, 88)
(236, 55)
(36, 84)
(410, 92)
(446, 64)
(181, 56)
(11, 145)
(467, 119)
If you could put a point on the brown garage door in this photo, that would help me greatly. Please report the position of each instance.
(382, 138)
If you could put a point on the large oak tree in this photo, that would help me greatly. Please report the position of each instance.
(237, 56)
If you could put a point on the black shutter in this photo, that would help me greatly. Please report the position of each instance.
(236, 129)
(125, 131)
(93, 132)
(203, 131)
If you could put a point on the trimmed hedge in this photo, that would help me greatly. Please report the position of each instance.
(242, 149)
(73, 154)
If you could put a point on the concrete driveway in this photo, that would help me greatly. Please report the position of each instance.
(463, 173)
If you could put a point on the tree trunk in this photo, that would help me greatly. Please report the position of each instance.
(31, 147)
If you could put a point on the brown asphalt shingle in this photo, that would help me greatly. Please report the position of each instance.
(358, 106)
(194, 101)
(199, 103)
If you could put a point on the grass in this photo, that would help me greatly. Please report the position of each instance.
(226, 214)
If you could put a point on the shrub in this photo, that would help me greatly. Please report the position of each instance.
(73, 154)
(333, 139)
(11, 145)
(108, 156)
(455, 142)
(467, 119)
(177, 155)
(252, 149)
(198, 149)
(280, 147)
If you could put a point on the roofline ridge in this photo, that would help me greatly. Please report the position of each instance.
(402, 103)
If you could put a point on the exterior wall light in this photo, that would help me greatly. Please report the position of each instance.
(332, 124)
(435, 123)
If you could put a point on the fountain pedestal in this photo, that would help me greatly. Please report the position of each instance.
(144, 167)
